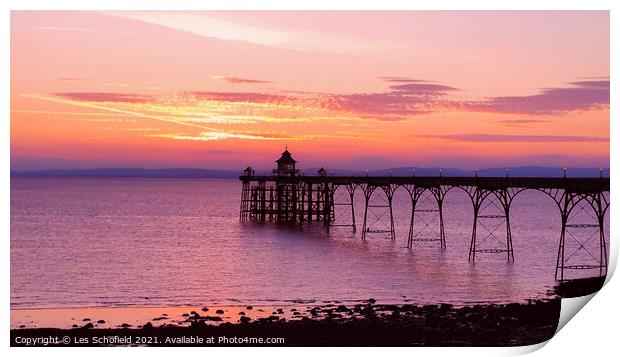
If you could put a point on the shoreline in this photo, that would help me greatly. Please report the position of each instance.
(334, 325)
(115, 316)
(327, 324)
(72, 316)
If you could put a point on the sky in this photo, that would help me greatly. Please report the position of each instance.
(341, 89)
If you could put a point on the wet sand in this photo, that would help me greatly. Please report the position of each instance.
(368, 323)
(111, 317)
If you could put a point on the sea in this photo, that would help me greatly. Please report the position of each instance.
(112, 242)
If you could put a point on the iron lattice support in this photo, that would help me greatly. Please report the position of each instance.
(491, 212)
(328, 205)
(342, 201)
(427, 205)
(378, 205)
(289, 197)
(320, 201)
(583, 220)
(244, 210)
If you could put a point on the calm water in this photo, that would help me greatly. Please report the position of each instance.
(132, 242)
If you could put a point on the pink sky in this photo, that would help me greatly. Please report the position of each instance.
(341, 89)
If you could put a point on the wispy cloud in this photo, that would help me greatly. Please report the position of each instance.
(65, 113)
(104, 107)
(239, 80)
(251, 135)
(214, 135)
(106, 97)
(420, 88)
(169, 114)
(271, 35)
(498, 138)
(522, 122)
(80, 29)
(408, 98)
(75, 80)
(581, 95)
(397, 79)
(404, 98)
(208, 26)
(245, 97)
(241, 119)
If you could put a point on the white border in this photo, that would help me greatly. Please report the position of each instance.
(593, 330)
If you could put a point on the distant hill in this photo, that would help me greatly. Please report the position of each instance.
(525, 171)
(130, 173)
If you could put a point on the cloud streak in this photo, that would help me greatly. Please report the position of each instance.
(106, 97)
(250, 135)
(239, 80)
(523, 121)
(212, 136)
(498, 138)
(74, 80)
(242, 97)
(403, 99)
(407, 98)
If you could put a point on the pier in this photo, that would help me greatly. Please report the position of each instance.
(287, 196)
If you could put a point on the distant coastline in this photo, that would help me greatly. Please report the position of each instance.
(522, 171)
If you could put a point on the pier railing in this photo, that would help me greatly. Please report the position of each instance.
(537, 183)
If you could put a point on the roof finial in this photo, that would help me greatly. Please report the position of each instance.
(286, 147)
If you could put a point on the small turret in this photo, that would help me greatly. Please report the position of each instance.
(249, 171)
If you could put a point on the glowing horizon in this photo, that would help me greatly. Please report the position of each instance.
(352, 90)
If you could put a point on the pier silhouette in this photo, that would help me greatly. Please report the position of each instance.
(289, 196)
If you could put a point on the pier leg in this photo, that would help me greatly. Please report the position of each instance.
(352, 194)
(472, 245)
(411, 223)
(392, 231)
(364, 225)
(427, 204)
(278, 202)
(327, 206)
(509, 249)
(296, 197)
(559, 265)
(254, 209)
(491, 212)
(310, 203)
(583, 234)
(263, 206)
(301, 211)
(603, 249)
(243, 209)
(342, 206)
(442, 232)
(602, 205)
(378, 213)
(270, 206)
(320, 210)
